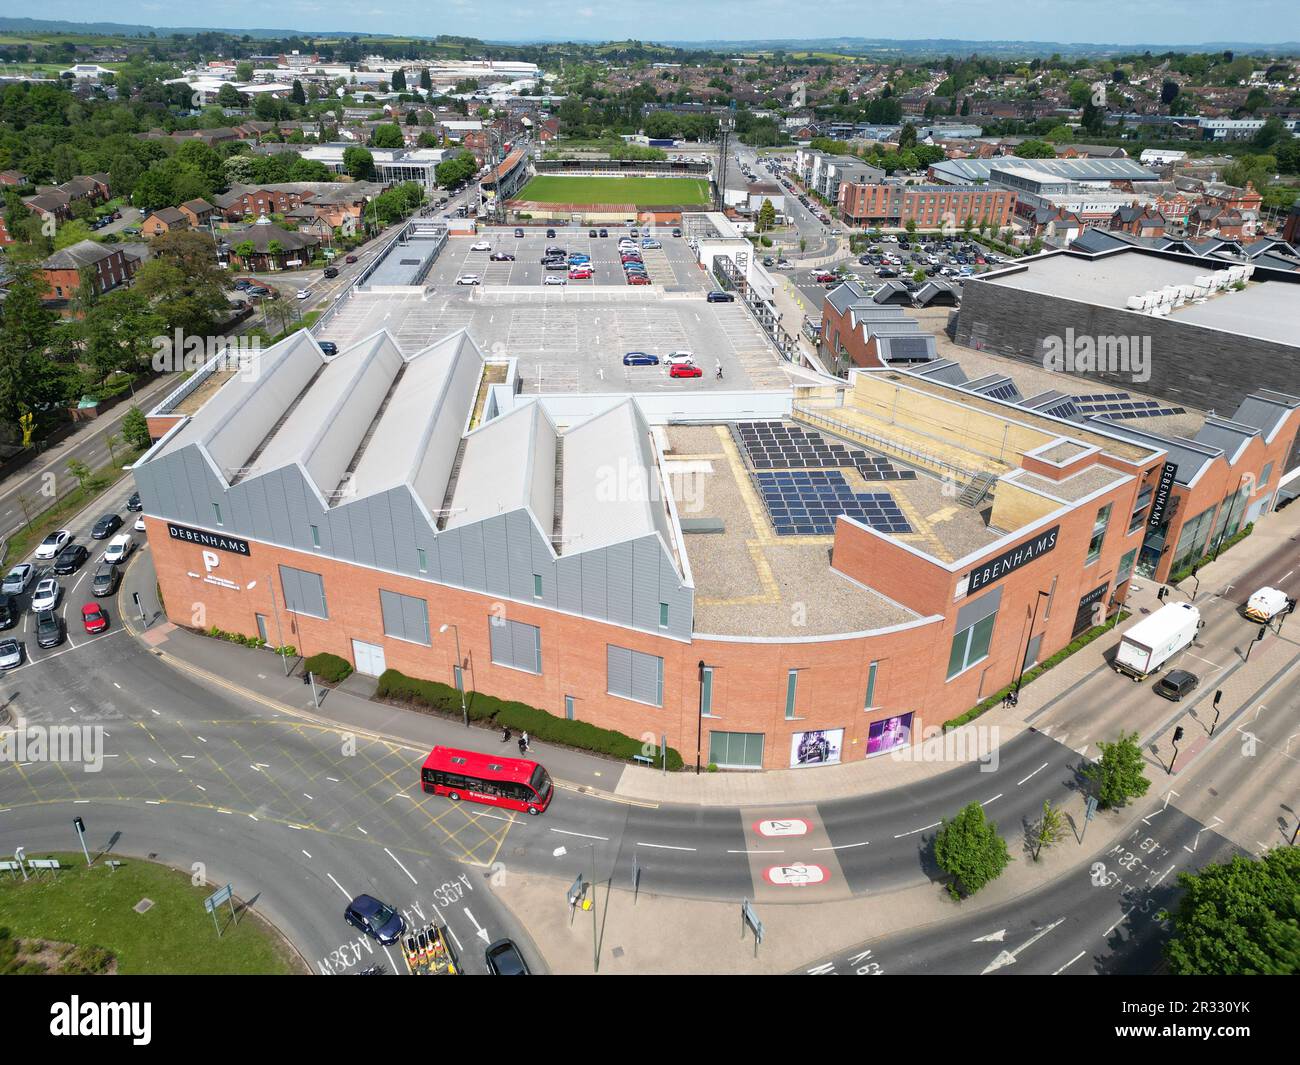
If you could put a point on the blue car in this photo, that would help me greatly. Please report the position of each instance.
(651, 244)
(376, 919)
(640, 358)
(579, 259)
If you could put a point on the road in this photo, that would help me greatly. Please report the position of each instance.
(43, 480)
(293, 814)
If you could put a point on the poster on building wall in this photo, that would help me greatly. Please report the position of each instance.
(821, 747)
(889, 734)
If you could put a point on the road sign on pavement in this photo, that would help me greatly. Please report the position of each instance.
(1090, 808)
(750, 918)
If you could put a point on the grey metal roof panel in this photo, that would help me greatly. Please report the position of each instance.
(943, 370)
(1191, 457)
(1265, 410)
(1228, 436)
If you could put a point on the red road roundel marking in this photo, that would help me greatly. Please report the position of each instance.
(782, 826)
(796, 874)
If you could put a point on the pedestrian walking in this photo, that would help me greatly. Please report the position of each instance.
(528, 746)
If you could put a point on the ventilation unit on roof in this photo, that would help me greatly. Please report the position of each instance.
(1134, 303)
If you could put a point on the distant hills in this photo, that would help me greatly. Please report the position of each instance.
(868, 47)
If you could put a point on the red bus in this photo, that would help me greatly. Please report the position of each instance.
(511, 782)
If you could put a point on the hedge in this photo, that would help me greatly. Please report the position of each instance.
(327, 667)
(444, 699)
(1235, 538)
(1037, 671)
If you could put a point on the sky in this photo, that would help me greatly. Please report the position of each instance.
(1071, 21)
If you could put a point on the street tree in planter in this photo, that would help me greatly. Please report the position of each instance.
(969, 849)
(1117, 775)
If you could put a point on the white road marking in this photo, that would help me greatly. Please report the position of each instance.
(584, 835)
(400, 865)
(843, 846)
(1008, 957)
(900, 835)
(339, 886)
(663, 846)
(992, 937)
(1035, 772)
(1069, 963)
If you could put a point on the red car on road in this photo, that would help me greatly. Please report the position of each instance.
(638, 279)
(94, 618)
(685, 370)
(579, 274)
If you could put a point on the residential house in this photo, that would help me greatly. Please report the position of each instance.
(199, 212)
(164, 220)
(109, 267)
(274, 248)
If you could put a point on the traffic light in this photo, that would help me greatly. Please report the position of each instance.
(1178, 733)
(1260, 635)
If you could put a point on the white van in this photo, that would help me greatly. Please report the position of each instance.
(1149, 644)
(119, 549)
(1265, 604)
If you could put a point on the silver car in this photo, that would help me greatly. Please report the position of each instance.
(18, 578)
(11, 654)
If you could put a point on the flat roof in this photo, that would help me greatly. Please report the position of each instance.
(748, 580)
(1266, 310)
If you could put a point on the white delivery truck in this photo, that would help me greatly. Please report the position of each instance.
(1154, 640)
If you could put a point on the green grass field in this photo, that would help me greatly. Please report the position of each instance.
(644, 192)
(93, 907)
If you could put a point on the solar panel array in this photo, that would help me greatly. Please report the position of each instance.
(807, 502)
(780, 446)
(1120, 405)
(1061, 409)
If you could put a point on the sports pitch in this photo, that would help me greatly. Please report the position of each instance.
(642, 191)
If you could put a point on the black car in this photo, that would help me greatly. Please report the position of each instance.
(49, 629)
(550, 232)
(504, 959)
(1175, 684)
(327, 347)
(107, 525)
(70, 559)
(10, 612)
(133, 504)
(592, 233)
(557, 264)
(604, 232)
(677, 232)
(519, 232)
(376, 919)
(105, 580)
(720, 297)
(331, 271)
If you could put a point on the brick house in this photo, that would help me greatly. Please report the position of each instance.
(164, 220)
(111, 268)
(199, 212)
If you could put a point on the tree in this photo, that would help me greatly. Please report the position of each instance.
(359, 163)
(203, 161)
(1118, 775)
(907, 136)
(910, 226)
(298, 95)
(969, 849)
(766, 215)
(118, 332)
(29, 380)
(244, 71)
(135, 428)
(388, 135)
(1048, 829)
(80, 471)
(1239, 918)
(1035, 150)
(1168, 92)
(399, 80)
(229, 96)
(183, 283)
(426, 83)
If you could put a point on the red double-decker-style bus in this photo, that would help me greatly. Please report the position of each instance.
(515, 783)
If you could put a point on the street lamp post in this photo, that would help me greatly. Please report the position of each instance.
(699, 720)
(1032, 622)
(279, 632)
(460, 669)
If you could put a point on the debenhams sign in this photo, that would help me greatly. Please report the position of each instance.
(207, 539)
(997, 568)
